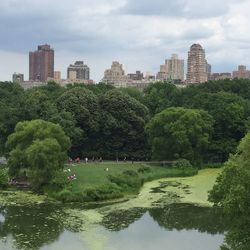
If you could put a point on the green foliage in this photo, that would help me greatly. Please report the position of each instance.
(39, 146)
(231, 192)
(68, 123)
(11, 110)
(128, 183)
(130, 173)
(3, 177)
(180, 133)
(83, 105)
(159, 96)
(230, 113)
(122, 126)
(66, 195)
(135, 93)
(144, 169)
(232, 188)
(38, 105)
(97, 89)
(104, 192)
(182, 163)
(84, 108)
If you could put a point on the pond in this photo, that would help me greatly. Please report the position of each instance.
(162, 216)
(47, 226)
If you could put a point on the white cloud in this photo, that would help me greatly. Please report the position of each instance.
(140, 34)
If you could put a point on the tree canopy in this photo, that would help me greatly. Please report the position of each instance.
(231, 192)
(180, 133)
(122, 126)
(40, 147)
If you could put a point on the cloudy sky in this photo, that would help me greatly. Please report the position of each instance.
(140, 34)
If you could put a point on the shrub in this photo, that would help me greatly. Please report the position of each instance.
(68, 196)
(3, 178)
(60, 180)
(104, 192)
(182, 163)
(123, 181)
(130, 173)
(144, 169)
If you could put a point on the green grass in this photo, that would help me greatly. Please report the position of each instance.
(94, 183)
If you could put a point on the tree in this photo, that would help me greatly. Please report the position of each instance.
(40, 147)
(230, 113)
(38, 105)
(83, 105)
(180, 133)
(159, 96)
(12, 99)
(231, 192)
(135, 93)
(68, 123)
(122, 126)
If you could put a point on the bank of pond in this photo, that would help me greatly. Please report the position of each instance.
(93, 182)
(165, 211)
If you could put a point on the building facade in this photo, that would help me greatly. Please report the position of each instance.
(137, 76)
(115, 75)
(220, 76)
(57, 75)
(172, 69)
(242, 72)
(18, 77)
(78, 71)
(197, 65)
(41, 63)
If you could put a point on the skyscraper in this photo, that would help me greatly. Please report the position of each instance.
(172, 69)
(41, 63)
(196, 65)
(242, 72)
(115, 75)
(18, 77)
(78, 71)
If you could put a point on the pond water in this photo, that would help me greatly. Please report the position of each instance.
(50, 226)
(162, 216)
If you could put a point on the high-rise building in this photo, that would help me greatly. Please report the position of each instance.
(242, 72)
(137, 76)
(115, 76)
(41, 63)
(78, 71)
(197, 65)
(220, 76)
(18, 77)
(57, 75)
(172, 69)
(209, 71)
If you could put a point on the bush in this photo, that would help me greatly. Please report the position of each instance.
(144, 169)
(182, 163)
(130, 173)
(126, 182)
(3, 178)
(68, 196)
(60, 180)
(104, 192)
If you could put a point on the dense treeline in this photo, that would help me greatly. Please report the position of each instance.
(102, 122)
(227, 101)
(110, 123)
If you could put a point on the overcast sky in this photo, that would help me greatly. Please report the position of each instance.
(140, 34)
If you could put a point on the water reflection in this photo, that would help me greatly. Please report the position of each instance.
(188, 216)
(43, 227)
(30, 227)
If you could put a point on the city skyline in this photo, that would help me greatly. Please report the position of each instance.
(140, 35)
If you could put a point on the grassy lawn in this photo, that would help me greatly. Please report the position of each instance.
(92, 175)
